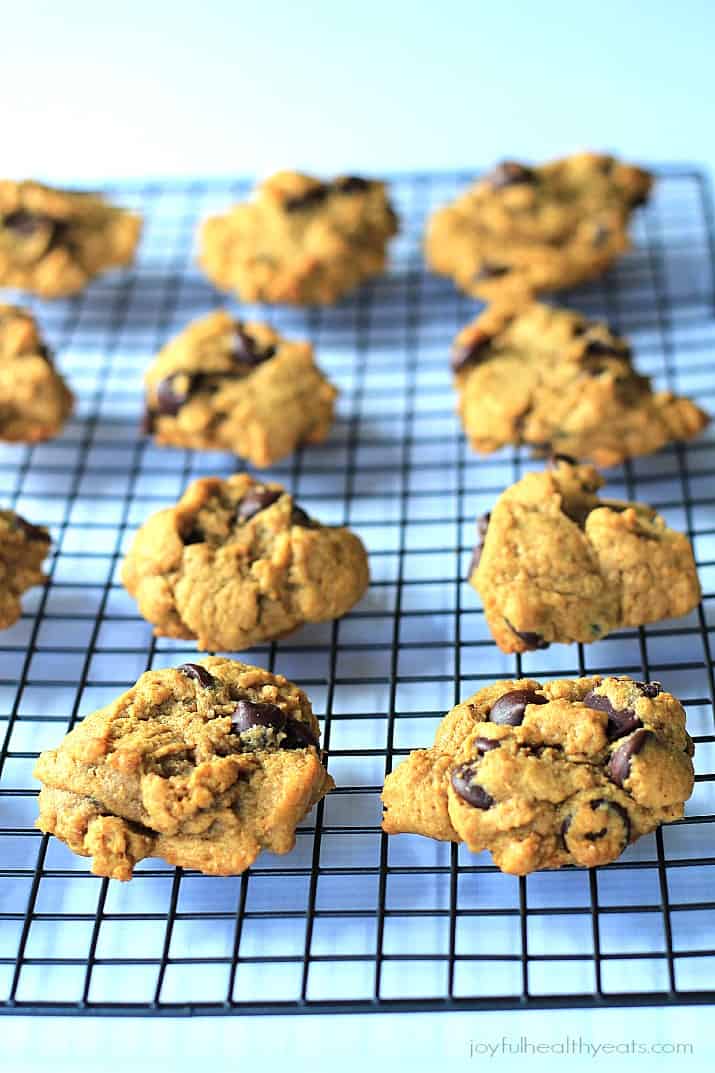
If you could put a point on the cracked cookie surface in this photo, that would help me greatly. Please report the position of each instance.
(225, 385)
(204, 765)
(568, 772)
(520, 230)
(35, 401)
(52, 241)
(23, 549)
(556, 381)
(237, 562)
(555, 562)
(300, 240)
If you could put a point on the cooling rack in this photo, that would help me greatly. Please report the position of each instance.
(351, 920)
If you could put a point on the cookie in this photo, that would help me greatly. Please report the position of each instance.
(237, 562)
(300, 240)
(35, 402)
(204, 765)
(568, 772)
(227, 386)
(52, 242)
(520, 229)
(554, 562)
(23, 548)
(556, 381)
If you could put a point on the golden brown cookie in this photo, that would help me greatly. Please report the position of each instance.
(520, 230)
(52, 242)
(300, 240)
(568, 772)
(237, 562)
(23, 548)
(35, 402)
(204, 765)
(222, 385)
(555, 562)
(556, 381)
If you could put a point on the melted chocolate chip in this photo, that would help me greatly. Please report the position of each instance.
(568, 459)
(313, 196)
(649, 689)
(509, 709)
(299, 736)
(246, 350)
(482, 526)
(169, 398)
(619, 766)
(475, 351)
(490, 270)
(351, 184)
(485, 745)
(195, 670)
(299, 517)
(510, 173)
(249, 714)
(195, 535)
(25, 224)
(256, 500)
(599, 347)
(621, 721)
(531, 640)
(470, 791)
(32, 532)
(611, 807)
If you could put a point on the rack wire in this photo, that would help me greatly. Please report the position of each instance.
(351, 920)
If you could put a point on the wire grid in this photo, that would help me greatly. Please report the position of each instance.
(351, 920)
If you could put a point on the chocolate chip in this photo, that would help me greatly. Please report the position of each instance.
(44, 352)
(597, 804)
(195, 535)
(25, 224)
(312, 196)
(299, 517)
(621, 721)
(482, 526)
(170, 399)
(568, 459)
(509, 173)
(246, 350)
(468, 790)
(490, 270)
(531, 640)
(32, 532)
(351, 184)
(475, 351)
(639, 199)
(249, 714)
(649, 689)
(509, 709)
(195, 670)
(255, 501)
(619, 766)
(148, 422)
(299, 736)
(600, 347)
(485, 745)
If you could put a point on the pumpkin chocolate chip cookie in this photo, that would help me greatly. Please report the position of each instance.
(35, 402)
(23, 548)
(554, 562)
(225, 385)
(553, 380)
(52, 242)
(204, 765)
(237, 562)
(300, 240)
(520, 229)
(568, 772)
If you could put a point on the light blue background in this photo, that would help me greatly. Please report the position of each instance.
(90, 91)
(157, 87)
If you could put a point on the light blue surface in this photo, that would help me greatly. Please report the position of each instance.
(177, 88)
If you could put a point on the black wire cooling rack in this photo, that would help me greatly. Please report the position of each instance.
(351, 920)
